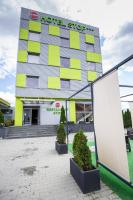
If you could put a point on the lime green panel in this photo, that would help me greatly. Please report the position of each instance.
(22, 56)
(18, 112)
(94, 57)
(89, 39)
(21, 80)
(75, 63)
(53, 55)
(92, 75)
(53, 82)
(74, 40)
(34, 47)
(24, 34)
(54, 30)
(72, 111)
(71, 74)
(35, 26)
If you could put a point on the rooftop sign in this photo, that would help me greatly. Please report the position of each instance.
(59, 22)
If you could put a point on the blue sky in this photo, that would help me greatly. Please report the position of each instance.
(113, 17)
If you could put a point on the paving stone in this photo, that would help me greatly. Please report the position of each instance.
(47, 174)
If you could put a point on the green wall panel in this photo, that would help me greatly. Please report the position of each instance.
(34, 47)
(74, 40)
(72, 111)
(94, 57)
(20, 80)
(71, 74)
(35, 26)
(53, 55)
(75, 63)
(89, 39)
(54, 30)
(24, 34)
(92, 75)
(22, 56)
(53, 82)
(18, 112)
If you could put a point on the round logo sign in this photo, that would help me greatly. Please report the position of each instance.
(57, 104)
(34, 15)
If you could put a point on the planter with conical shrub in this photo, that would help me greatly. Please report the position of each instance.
(84, 173)
(60, 144)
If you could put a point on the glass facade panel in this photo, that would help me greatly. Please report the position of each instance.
(32, 81)
(83, 112)
(34, 36)
(79, 107)
(88, 107)
(91, 66)
(65, 62)
(33, 58)
(27, 116)
(64, 42)
(90, 47)
(65, 84)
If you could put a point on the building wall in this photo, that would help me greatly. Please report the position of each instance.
(43, 69)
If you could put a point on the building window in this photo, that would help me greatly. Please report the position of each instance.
(34, 36)
(83, 112)
(90, 47)
(64, 42)
(91, 66)
(32, 81)
(33, 58)
(65, 84)
(65, 62)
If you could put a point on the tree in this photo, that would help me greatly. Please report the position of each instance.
(127, 118)
(1, 118)
(81, 152)
(62, 116)
(61, 135)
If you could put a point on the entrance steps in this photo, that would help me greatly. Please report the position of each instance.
(30, 131)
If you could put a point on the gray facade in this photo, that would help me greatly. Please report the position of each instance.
(42, 70)
(32, 65)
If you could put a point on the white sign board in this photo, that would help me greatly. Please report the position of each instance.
(50, 112)
(108, 124)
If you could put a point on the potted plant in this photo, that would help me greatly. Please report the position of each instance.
(60, 144)
(85, 174)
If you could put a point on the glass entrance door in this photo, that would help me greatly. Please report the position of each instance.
(27, 116)
(35, 116)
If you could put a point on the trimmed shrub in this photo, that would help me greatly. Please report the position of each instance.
(62, 116)
(127, 119)
(61, 135)
(81, 152)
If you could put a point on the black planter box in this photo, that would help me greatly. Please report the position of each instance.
(88, 181)
(61, 148)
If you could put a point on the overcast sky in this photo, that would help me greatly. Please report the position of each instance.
(113, 17)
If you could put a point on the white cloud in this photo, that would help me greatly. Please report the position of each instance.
(129, 68)
(8, 55)
(8, 96)
(10, 87)
(115, 49)
(108, 18)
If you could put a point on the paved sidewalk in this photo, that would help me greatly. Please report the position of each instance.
(30, 169)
